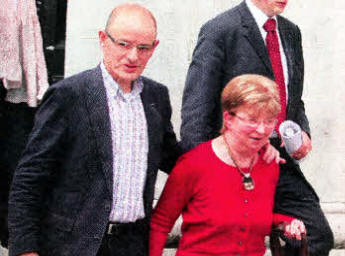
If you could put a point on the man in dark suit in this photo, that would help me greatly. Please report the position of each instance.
(85, 183)
(231, 44)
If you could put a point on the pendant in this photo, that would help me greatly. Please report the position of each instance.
(248, 182)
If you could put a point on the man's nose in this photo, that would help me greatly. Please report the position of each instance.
(132, 54)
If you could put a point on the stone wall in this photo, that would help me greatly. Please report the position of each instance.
(323, 32)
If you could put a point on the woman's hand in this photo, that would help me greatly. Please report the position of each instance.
(295, 229)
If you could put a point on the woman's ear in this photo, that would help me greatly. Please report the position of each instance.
(227, 117)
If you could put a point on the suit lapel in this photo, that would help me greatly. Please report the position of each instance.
(96, 102)
(285, 35)
(252, 33)
(153, 120)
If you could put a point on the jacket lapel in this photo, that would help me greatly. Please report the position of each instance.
(284, 35)
(286, 38)
(96, 102)
(251, 31)
(153, 120)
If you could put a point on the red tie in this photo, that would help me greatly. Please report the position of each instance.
(272, 45)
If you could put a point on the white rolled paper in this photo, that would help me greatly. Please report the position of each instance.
(291, 134)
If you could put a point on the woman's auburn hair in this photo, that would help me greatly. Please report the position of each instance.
(256, 91)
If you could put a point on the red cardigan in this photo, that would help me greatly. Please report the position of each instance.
(219, 216)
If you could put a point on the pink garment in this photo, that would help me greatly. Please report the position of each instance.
(22, 66)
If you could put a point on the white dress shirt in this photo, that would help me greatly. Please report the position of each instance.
(130, 148)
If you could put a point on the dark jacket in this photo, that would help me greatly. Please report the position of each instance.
(230, 45)
(61, 195)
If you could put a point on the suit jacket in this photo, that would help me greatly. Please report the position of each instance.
(230, 45)
(61, 196)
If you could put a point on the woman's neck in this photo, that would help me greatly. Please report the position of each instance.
(244, 157)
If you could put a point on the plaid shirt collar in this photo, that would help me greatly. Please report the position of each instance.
(115, 90)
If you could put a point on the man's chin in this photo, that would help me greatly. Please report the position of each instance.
(279, 10)
(128, 77)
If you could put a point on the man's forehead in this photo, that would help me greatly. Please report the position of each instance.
(132, 32)
(125, 17)
(132, 23)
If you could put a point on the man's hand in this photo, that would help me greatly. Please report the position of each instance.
(304, 149)
(295, 229)
(29, 254)
(270, 154)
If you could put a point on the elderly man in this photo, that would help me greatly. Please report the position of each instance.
(85, 183)
(253, 38)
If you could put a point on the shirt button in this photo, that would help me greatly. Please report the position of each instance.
(243, 229)
(246, 200)
(240, 243)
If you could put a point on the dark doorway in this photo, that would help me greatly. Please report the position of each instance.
(52, 16)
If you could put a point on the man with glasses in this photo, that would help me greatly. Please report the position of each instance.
(85, 183)
(253, 38)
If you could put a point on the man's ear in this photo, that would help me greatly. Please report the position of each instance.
(102, 36)
(155, 43)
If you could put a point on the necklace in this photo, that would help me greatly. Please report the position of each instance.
(247, 180)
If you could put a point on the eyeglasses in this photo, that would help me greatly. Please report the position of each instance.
(121, 44)
(254, 123)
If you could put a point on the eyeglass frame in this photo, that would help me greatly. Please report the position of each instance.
(255, 123)
(128, 45)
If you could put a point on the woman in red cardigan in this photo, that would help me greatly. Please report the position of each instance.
(223, 188)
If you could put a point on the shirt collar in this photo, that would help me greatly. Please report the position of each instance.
(259, 16)
(114, 89)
